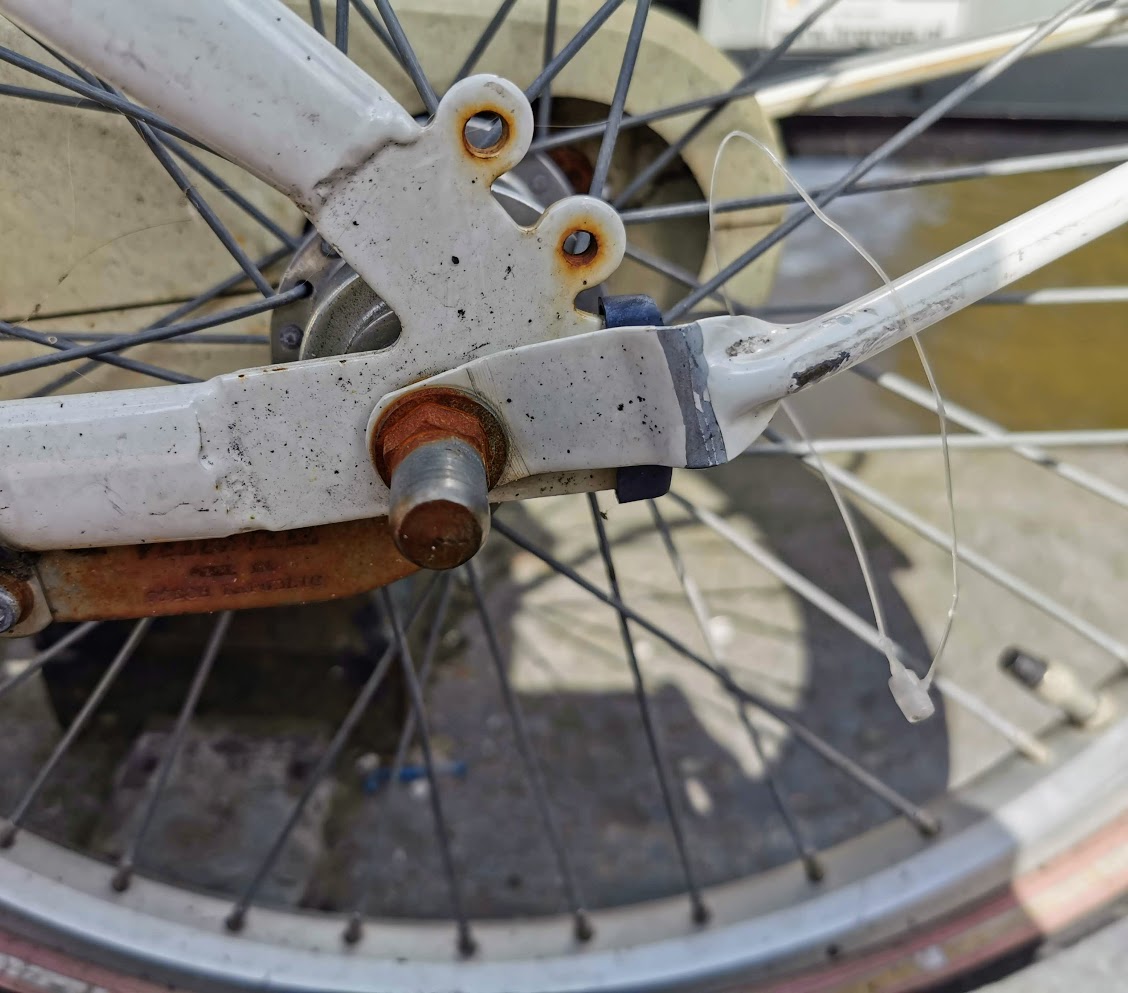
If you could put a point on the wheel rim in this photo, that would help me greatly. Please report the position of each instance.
(587, 969)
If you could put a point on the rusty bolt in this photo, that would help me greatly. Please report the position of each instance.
(440, 451)
(426, 423)
(10, 610)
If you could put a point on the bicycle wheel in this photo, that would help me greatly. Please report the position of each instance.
(514, 779)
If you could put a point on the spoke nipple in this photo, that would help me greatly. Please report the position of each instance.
(583, 929)
(814, 868)
(467, 946)
(122, 878)
(701, 914)
(8, 832)
(236, 920)
(927, 824)
(354, 930)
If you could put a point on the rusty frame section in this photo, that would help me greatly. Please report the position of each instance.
(253, 569)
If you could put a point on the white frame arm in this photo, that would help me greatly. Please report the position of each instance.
(213, 459)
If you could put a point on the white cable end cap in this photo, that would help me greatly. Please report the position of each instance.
(911, 695)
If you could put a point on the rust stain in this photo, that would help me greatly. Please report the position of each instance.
(592, 264)
(581, 260)
(253, 569)
(488, 151)
(575, 165)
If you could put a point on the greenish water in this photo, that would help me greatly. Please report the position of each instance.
(1028, 367)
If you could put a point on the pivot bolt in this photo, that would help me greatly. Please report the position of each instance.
(290, 337)
(10, 610)
(440, 451)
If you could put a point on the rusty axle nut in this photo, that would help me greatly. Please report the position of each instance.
(440, 451)
(432, 414)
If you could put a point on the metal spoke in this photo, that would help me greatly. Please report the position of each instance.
(979, 562)
(921, 818)
(58, 99)
(808, 854)
(544, 107)
(341, 33)
(11, 825)
(93, 92)
(485, 38)
(927, 442)
(65, 344)
(158, 333)
(237, 916)
(958, 414)
(581, 132)
(168, 141)
(317, 17)
(152, 139)
(794, 93)
(862, 629)
(888, 148)
(466, 944)
(665, 267)
(188, 339)
(619, 99)
(231, 193)
(1014, 166)
(42, 658)
(408, 57)
(568, 52)
(354, 929)
(700, 912)
(128, 860)
(429, 652)
(671, 152)
(202, 207)
(177, 312)
(378, 29)
(533, 774)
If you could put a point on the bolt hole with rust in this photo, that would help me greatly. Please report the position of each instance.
(485, 134)
(579, 247)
